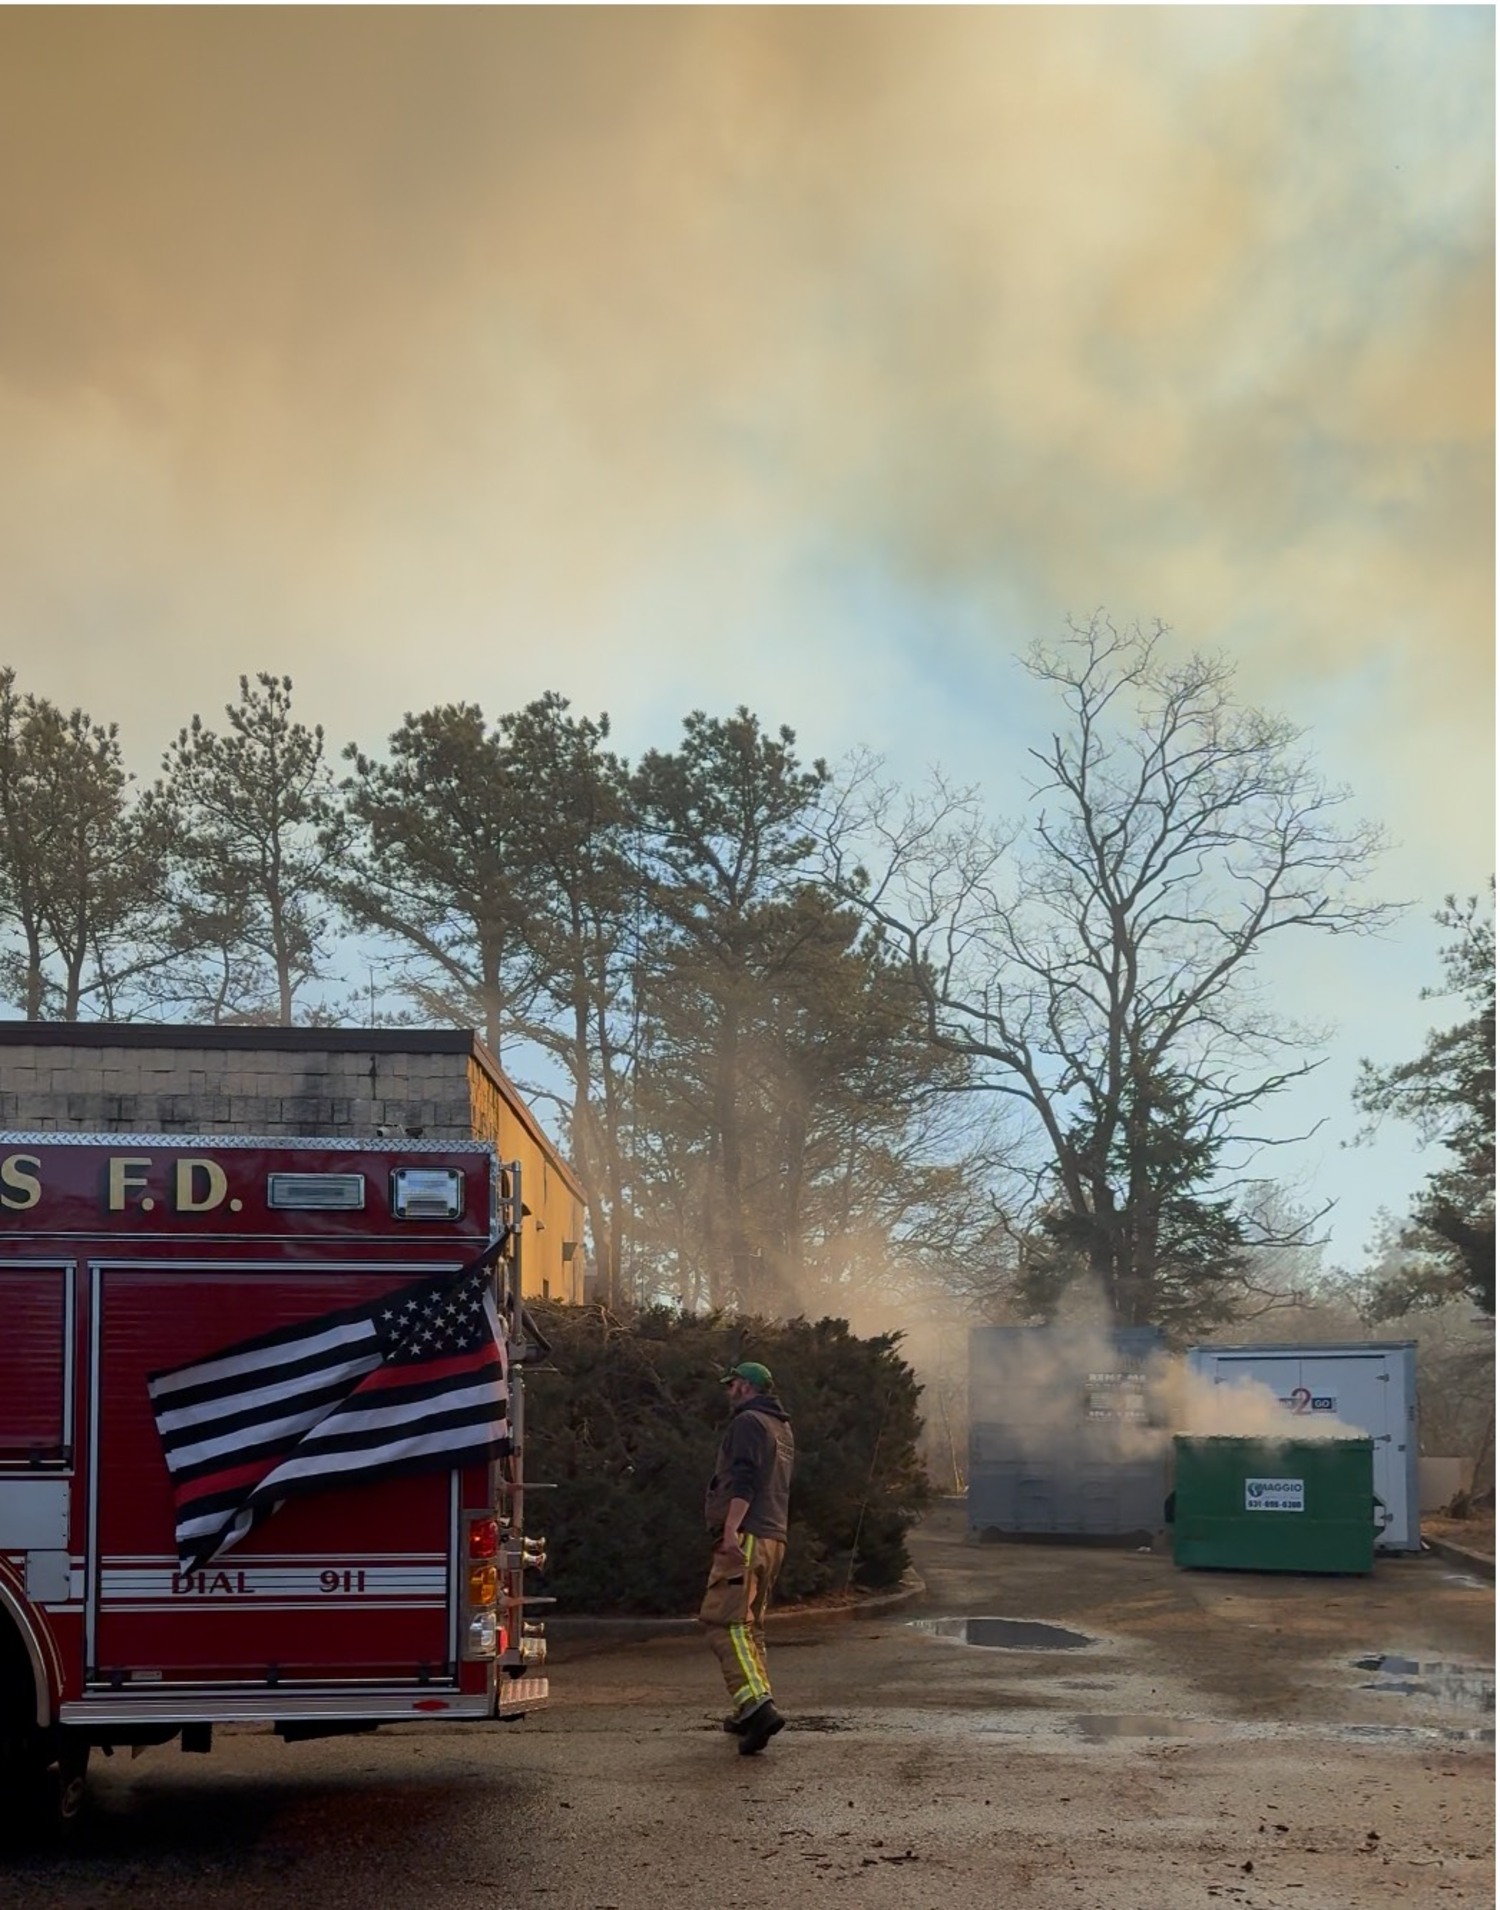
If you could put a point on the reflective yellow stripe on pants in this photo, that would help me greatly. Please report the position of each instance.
(743, 1642)
(733, 1613)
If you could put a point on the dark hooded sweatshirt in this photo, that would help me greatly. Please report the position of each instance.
(754, 1463)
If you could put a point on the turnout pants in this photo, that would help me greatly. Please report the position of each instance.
(733, 1614)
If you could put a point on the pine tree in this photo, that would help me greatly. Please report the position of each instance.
(1448, 1093)
(79, 878)
(258, 832)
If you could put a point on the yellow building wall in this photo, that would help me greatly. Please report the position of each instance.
(552, 1236)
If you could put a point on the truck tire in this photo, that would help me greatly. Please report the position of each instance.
(63, 1785)
(44, 1787)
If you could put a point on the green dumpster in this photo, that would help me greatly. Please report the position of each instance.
(1257, 1505)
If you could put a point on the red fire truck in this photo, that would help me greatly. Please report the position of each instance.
(347, 1603)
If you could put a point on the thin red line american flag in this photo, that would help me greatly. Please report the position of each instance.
(415, 1381)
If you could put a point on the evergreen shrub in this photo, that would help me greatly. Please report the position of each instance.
(626, 1420)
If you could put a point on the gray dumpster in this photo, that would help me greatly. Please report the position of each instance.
(1060, 1439)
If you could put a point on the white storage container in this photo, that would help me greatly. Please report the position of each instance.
(1368, 1384)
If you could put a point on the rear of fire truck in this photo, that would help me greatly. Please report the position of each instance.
(379, 1582)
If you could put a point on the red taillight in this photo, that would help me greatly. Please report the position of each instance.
(484, 1538)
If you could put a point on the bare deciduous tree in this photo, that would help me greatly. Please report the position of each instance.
(1098, 964)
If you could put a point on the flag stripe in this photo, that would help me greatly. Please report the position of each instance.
(351, 1429)
(233, 1368)
(217, 1531)
(214, 1512)
(456, 1443)
(246, 1409)
(205, 1455)
(393, 1378)
(229, 1482)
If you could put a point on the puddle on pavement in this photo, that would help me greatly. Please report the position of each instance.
(1450, 1682)
(1004, 1634)
(1137, 1725)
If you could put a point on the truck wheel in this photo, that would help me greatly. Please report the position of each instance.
(46, 1792)
(66, 1781)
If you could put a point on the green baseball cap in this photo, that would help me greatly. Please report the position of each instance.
(753, 1373)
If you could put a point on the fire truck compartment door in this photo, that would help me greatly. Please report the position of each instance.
(355, 1583)
(49, 1578)
(33, 1515)
(36, 1406)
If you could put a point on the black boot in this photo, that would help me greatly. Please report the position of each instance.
(759, 1728)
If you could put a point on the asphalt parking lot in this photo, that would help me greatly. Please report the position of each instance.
(1261, 1740)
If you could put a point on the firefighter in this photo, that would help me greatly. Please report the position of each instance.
(746, 1510)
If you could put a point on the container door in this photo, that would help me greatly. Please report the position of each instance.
(1365, 1390)
(351, 1584)
(1099, 1502)
(36, 1401)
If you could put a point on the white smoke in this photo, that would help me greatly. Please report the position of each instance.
(1242, 1408)
(1063, 1389)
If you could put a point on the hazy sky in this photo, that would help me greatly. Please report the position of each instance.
(813, 359)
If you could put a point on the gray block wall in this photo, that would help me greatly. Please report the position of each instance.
(145, 1090)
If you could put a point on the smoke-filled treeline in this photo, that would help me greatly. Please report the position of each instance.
(801, 1047)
